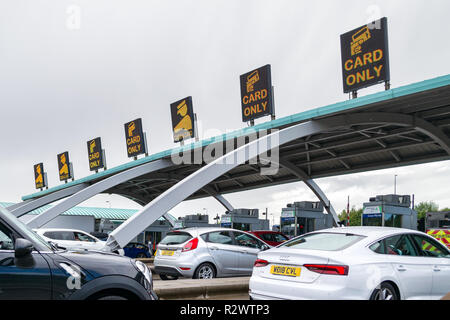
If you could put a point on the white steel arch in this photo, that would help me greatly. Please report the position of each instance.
(183, 189)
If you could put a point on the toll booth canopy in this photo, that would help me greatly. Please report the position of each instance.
(244, 219)
(303, 217)
(389, 211)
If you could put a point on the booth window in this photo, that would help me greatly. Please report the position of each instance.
(392, 220)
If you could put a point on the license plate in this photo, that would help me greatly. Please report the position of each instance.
(285, 271)
(167, 252)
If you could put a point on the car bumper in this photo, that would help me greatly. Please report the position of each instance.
(168, 271)
(325, 288)
(174, 271)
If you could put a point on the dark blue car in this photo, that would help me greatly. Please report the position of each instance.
(137, 250)
(32, 268)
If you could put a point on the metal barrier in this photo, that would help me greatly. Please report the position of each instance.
(194, 289)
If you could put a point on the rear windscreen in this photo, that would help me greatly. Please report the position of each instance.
(176, 238)
(324, 241)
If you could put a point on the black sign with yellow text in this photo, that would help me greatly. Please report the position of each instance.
(95, 154)
(64, 166)
(39, 176)
(183, 124)
(365, 56)
(135, 138)
(256, 93)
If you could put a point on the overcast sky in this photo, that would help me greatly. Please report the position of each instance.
(75, 70)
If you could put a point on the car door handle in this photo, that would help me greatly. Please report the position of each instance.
(436, 268)
(214, 248)
(401, 268)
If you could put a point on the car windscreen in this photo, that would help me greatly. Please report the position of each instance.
(39, 243)
(323, 241)
(280, 237)
(175, 238)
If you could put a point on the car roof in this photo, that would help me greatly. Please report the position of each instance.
(372, 232)
(265, 231)
(199, 230)
(59, 229)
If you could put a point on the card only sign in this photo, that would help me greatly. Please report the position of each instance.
(256, 94)
(365, 56)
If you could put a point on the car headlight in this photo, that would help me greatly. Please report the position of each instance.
(146, 272)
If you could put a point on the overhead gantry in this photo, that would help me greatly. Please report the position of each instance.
(399, 127)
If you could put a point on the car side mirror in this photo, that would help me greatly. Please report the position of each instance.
(265, 247)
(22, 248)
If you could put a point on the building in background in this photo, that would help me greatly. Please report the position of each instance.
(244, 219)
(193, 221)
(302, 217)
(389, 211)
(437, 225)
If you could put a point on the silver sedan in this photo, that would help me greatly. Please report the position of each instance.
(205, 253)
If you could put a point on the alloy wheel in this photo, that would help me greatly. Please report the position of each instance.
(384, 294)
(205, 272)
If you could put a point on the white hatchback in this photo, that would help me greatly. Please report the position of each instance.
(72, 239)
(354, 263)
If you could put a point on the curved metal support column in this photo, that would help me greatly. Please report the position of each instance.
(224, 202)
(169, 220)
(23, 208)
(183, 189)
(313, 186)
(95, 189)
(13, 207)
(142, 202)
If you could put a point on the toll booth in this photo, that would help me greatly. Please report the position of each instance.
(244, 219)
(193, 221)
(389, 211)
(437, 220)
(155, 233)
(302, 217)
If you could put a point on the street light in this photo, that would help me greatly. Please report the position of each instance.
(395, 184)
(273, 219)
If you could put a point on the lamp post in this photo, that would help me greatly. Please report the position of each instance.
(273, 219)
(395, 184)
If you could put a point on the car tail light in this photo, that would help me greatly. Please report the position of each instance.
(260, 263)
(191, 245)
(327, 269)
